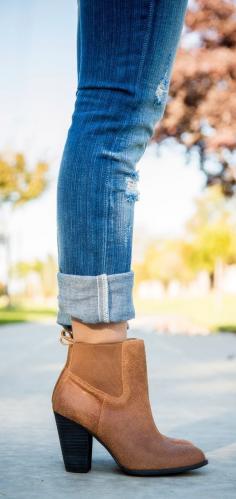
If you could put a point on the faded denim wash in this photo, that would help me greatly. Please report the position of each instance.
(125, 52)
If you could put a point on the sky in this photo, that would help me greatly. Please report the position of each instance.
(38, 85)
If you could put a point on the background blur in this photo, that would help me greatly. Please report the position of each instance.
(184, 254)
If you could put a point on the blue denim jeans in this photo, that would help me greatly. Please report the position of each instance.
(126, 50)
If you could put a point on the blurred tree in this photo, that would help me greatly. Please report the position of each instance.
(201, 112)
(208, 244)
(48, 277)
(211, 233)
(164, 260)
(19, 184)
(46, 269)
(23, 269)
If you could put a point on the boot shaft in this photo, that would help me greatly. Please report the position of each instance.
(116, 372)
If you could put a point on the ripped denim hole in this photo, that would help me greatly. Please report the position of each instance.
(162, 88)
(163, 85)
(132, 193)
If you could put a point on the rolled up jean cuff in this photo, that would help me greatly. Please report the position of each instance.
(93, 299)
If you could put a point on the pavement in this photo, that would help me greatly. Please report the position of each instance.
(192, 383)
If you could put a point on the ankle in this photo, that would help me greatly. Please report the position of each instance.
(100, 332)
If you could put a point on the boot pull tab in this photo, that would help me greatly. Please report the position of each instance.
(66, 337)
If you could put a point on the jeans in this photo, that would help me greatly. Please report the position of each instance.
(126, 50)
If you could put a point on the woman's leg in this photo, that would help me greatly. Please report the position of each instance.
(126, 50)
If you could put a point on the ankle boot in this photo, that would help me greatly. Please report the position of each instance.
(102, 392)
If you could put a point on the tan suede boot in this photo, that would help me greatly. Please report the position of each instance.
(102, 392)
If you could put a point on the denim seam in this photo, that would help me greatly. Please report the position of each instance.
(105, 297)
(102, 288)
(146, 42)
(122, 127)
(99, 315)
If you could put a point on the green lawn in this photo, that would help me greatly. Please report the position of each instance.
(24, 314)
(213, 311)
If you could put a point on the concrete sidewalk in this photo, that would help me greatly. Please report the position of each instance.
(193, 394)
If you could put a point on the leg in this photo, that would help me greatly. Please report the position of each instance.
(126, 51)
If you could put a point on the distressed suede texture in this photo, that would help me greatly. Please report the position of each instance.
(86, 362)
(104, 387)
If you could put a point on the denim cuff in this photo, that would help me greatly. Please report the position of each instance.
(93, 299)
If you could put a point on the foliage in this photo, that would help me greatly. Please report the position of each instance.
(211, 245)
(201, 113)
(164, 260)
(22, 269)
(211, 232)
(210, 237)
(18, 182)
(45, 269)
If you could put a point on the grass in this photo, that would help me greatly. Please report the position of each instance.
(215, 312)
(17, 314)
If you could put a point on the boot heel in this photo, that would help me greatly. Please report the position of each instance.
(76, 445)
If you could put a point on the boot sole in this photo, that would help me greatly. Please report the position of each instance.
(76, 446)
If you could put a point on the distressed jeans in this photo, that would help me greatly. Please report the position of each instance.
(126, 50)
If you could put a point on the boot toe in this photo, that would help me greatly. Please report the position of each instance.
(193, 455)
(179, 441)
